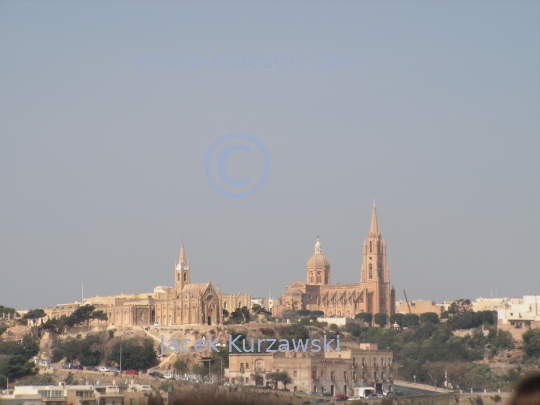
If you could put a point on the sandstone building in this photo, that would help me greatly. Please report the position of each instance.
(329, 372)
(373, 292)
(184, 303)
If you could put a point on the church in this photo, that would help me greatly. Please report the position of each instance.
(372, 293)
(184, 303)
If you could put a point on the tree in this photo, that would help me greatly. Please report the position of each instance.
(84, 314)
(258, 379)
(225, 312)
(15, 367)
(397, 318)
(304, 312)
(288, 314)
(199, 369)
(241, 314)
(279, 376)
(317, 314)
(34, 314)
(180, 366)
(137, 353)
(429, 317)
(70, 380)
(367, 317)
(410, 320)
(257, 309)
(460, 307)
(381, 319)
(7, 310)
(531, 342)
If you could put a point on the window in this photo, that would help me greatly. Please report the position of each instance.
(369, 246)
(332, 376)
(241, 367)
(345, 375)
(247, 366)
(354, 375)
(185, 276)
(314, 374)
(363, 362)
(318, 277)
(354, 361)
(370, 271)
(311, 277)
(295, 373)
(259, 367)
(132, 401)
(363, 375)
(375, 362)
(375, 375)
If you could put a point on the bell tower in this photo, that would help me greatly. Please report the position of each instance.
(182, 272)
(374, 275)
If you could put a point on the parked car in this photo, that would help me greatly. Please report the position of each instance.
(170, 376)
(399, 393)
(67, 366)
(132, 372)
(155, 374)
(90, 368)
(114, 370)
(356, 398)
(105, 369)
(76, 367)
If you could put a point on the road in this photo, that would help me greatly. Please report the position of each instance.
(412, 391)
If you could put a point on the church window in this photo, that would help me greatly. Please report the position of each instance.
(318, 277)
(370, 271)
(311, 278)
(369, 246)
(185, 276)
(224, 305)
(178, 276)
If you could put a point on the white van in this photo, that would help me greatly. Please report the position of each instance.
(363, 392)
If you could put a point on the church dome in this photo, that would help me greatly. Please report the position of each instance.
(318, 261)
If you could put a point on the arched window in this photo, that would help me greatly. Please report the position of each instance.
(370, 271)
(311, 278)
(318, 277)
(369, 246)
(185, 276)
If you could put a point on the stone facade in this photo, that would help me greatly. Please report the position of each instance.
(331, 372)
(373, 292)
(185, 303)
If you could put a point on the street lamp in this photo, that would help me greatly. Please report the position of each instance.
(414, 376)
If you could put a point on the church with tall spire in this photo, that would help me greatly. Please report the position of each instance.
(373, 292)
(184, 303)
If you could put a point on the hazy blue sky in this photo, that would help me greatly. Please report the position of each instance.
(104, 136)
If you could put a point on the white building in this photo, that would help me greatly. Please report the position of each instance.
(520, 315)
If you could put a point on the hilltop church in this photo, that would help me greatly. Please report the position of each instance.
(372, 293)
(185, 303)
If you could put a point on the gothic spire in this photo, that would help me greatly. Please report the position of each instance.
(182, 259)
(374, 228)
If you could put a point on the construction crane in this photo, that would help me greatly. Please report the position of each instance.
(407, 302)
